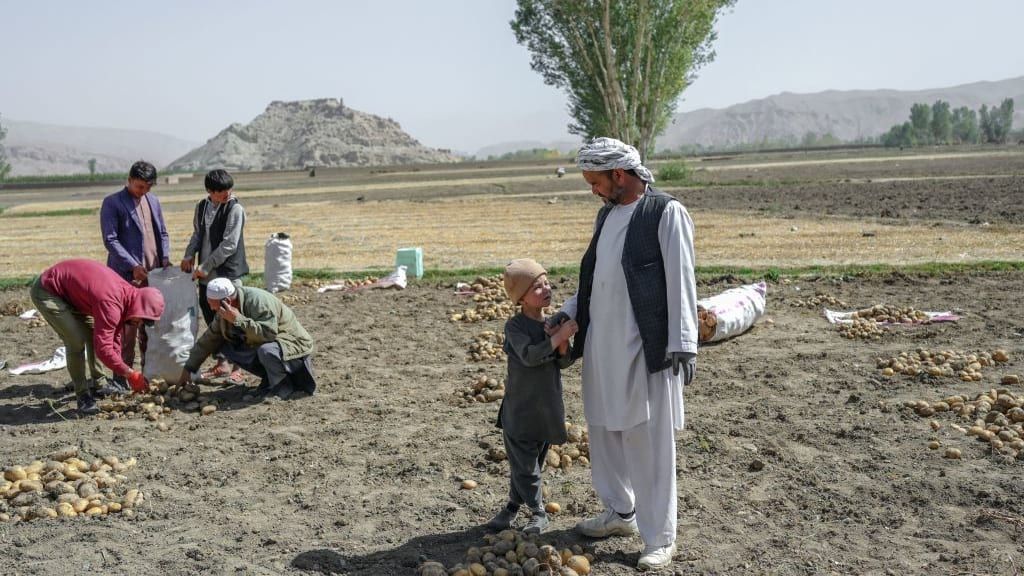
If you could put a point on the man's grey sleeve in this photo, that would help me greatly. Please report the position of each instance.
(675, 234)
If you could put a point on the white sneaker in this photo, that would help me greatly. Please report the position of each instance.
(607, 523)
(654, 558)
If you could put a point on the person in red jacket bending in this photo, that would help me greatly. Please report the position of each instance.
(89, 305)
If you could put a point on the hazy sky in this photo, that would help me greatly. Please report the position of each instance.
(448, 70)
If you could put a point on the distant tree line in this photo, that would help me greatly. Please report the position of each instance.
(530, 154)
(939, 124)
(5, 166)
(810, 139)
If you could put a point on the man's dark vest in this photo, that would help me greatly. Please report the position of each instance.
(235, 266)
(645, 278)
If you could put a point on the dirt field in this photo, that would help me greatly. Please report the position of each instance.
(798, 457)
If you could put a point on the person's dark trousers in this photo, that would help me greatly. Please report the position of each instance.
(526, 459)
(134, 333)
(274, 372)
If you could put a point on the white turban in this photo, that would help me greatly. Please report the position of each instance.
(220, 288)
(602, 154)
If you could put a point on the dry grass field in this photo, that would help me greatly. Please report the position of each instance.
(463, 220)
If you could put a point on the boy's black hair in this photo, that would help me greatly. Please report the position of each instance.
(144, 171)
(219, 180)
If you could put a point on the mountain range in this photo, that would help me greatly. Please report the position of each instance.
(325, 132)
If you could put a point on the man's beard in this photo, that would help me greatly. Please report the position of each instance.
(615, 198)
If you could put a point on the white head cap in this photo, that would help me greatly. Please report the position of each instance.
(220, 288)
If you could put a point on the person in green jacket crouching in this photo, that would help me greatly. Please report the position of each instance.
(260, 334)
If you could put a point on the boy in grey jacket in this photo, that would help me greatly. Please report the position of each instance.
(531, 416)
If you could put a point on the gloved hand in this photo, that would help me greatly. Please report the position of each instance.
(687, 363)
(137, 381)
(555, 320)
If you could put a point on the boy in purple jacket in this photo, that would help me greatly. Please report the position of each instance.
(136, 239)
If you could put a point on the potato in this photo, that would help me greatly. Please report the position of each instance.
(15, 473)
(566, 571)
(432, 569)
(468, 484)
(209, 409)
(953, 453)
(80, 505)
(552, 508)
(132, 498)
(1000, 356)
(477, 569)
(87, 489)
(579, 564)
(1010, 380)
(552, 459)
(66, 510)
(94, 511)
(63, 454)
(67, 498)
(934, 445)
(30, 486)
(36, 467)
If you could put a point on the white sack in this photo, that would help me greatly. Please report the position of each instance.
(736, 309)
(277, 263)
(172, 336)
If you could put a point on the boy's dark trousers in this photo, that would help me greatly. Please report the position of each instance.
(526, 459)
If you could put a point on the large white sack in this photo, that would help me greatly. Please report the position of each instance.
(277, 263)
(735, 310)
(172, 336)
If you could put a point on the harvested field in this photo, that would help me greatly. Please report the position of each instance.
(799, 456)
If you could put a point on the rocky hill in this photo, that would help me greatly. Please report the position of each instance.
(847, 115)
(307, 133)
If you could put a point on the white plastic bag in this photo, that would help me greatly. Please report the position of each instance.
(277, 263)
(172, 336)
(735, 310)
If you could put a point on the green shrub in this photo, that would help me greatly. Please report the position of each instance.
(674, 172)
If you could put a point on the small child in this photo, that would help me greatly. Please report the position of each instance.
(531, 415)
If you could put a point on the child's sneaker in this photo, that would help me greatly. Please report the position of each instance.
(503, 519)
(537, 523)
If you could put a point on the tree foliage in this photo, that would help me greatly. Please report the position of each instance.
(623, 63)
(965, 125)
(937, 124)
(997, 122)
(942, 122)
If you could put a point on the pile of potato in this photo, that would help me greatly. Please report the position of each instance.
(947, 363)
(158, 402)
(513, 553)
(12, 309)
(575, 451)
(317, 283)
(486, 346)
(66, 486)
(817, 301)
(996, 416)
(483, 389)
(892, 314)
(861, 328)
(490, 302)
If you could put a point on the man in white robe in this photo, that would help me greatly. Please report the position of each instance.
(633, 411)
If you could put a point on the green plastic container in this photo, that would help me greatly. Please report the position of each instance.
(412, 259)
